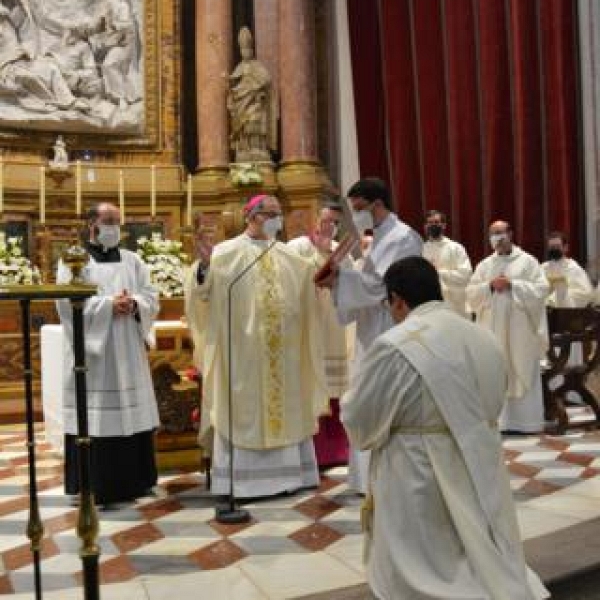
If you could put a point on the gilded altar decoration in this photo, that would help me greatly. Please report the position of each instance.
(252, 105)
(165, 260)
(15, 267)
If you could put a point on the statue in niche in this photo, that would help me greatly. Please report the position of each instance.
(72, 65)
(252, 106)
(60, 159)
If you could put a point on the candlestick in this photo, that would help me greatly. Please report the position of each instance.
(188, 216)
(153, 191)
(42, 195)
(122, 196)
(78, 188)
(1, 185)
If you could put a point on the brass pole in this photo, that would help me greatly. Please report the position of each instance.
(35, 528)
(87, 523)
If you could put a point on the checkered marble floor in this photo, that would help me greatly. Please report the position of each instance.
(298, 544)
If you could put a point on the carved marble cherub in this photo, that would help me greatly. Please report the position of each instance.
(60, 160)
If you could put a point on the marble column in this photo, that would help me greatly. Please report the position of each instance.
(297, 81)
(213, 64)
(589, 44)
(266, 36)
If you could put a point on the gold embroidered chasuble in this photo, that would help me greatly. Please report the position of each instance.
(278, 381)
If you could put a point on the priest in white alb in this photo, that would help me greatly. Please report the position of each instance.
(450, 260)
(440, 522)
(570, 288)
(331, 444)
(359, 293)
(570, 284)
(507, 293)
(277, 367)
(122, 410)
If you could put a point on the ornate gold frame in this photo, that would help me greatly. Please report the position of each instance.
(150, 139)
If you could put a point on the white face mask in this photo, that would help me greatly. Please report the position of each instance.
(363, 219)
(108, 235)
(272, 227)
(496, 238)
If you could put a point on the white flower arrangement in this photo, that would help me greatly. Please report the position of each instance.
(15, 267)
(245, 174)
(165, 261)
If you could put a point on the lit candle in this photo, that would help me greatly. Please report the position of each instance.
(1, 185)
(153, 191)
(121, 196)
(188, 216)
(78, 188)
(42, 195)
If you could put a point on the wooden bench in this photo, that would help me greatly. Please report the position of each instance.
(566, 327)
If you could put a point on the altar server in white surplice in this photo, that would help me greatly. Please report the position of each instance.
(122, 410)
(278, 379)
(570, 288)
(508, 292)
(359, 294)
(570, 284)
(450, 260)
(439, 522)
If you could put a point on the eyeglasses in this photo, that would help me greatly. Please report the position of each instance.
(270, 214)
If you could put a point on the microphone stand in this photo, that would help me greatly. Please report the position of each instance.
(229, 513)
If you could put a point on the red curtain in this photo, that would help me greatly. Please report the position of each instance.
(471, 108)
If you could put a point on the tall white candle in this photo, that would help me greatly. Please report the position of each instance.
(42, 195)
(78, 188)
(153, 190)
(188, 216)
(122, 196)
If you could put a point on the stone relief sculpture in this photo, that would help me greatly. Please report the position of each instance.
(74, 65)
(252, 106)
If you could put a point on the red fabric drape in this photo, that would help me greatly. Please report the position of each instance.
(368, 87)
(471, 107)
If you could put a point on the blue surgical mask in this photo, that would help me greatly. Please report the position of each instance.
(108, 236)
(272, 227)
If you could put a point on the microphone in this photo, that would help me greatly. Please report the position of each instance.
(229, 513)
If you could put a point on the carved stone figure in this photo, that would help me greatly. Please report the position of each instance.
(115, 42)
(72, 65)
(252, 106)
(60, 160)
(35, 83)
(75, 58)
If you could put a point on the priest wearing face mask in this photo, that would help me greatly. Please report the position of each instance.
(331, 444)
(278, 378)
(450, 260)
(570, 284)
(122, 410)
(359, 294)
(508, 292)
